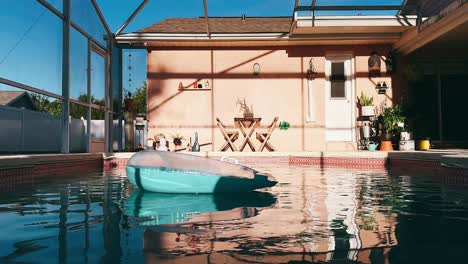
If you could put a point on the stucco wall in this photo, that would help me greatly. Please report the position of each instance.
(279, 90)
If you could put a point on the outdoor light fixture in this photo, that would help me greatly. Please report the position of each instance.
(256, 69)
(381, 87)
(311, 72)
(374, 63)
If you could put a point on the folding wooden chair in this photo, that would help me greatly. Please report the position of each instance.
(230, 136)
(263, 137)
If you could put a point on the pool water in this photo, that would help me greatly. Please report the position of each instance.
(312, 216)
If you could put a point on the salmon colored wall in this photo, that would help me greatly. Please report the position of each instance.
(279, 90)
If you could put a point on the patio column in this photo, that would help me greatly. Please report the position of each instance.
(115, 91)
(66, 77)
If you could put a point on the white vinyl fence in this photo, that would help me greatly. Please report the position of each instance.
(29, 131)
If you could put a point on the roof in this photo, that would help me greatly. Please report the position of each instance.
(221, 25)
(7, 97)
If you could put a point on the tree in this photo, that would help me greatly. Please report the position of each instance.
(43, 104)
(140, 99)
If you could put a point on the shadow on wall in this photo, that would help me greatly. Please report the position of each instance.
(303, 51)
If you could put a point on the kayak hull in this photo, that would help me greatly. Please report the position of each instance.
(167, 180)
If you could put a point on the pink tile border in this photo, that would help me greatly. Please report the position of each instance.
(28, 173)
(356, 163)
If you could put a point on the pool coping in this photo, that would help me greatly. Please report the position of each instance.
(354, 159)
(28, 166)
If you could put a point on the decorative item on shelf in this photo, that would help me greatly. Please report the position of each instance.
(246, 111)
(406, 141)
(386, 145)
(181, 86)
(391, 120)
(405, 135)
(423, 144)
(406, 145)
(367, 105)
(200, 86)
(177, 139)
(195, 85)
(196, 145)
(284, 125)
(382, 87)
(163, 144)
(372, 146)
(207, 84)
(139, 147)
(366, 131)
(374, 64)
(311, 72)
(189, 145)
(256, 69)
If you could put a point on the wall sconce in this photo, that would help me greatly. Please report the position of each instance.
(382, 87)
(311, 72)
(256, 69)
(374, 64)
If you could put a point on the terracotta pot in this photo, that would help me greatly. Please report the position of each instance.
(386, 145)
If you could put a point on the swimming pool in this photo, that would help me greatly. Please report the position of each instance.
(312, 215)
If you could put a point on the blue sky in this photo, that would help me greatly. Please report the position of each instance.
(30, 50)
(116, 11)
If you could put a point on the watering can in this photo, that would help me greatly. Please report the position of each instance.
(372, 146)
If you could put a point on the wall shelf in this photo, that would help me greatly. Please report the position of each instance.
(195, 89)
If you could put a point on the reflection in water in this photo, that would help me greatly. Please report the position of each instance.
(312, 216)
(160, 208)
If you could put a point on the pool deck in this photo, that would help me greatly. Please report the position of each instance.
(11, 166)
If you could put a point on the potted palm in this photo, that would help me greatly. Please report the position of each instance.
(367, 105)
(392, 121)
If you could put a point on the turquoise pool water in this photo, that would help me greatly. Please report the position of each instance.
(312, 216)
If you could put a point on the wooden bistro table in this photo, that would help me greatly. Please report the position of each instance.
(247, 127)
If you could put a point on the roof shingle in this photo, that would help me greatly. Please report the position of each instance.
(7, 97)
(221, 25)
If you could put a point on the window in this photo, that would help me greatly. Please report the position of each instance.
(337, 80)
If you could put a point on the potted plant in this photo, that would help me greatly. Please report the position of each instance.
(424, 143)
(246, 111)
(392, 121)
(177, 139)
(367, 105)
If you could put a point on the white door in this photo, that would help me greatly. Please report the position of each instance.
(339, 99)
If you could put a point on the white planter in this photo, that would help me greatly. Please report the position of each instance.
(406, 136)
(366, 131)
(406, 145)
(368, 110)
